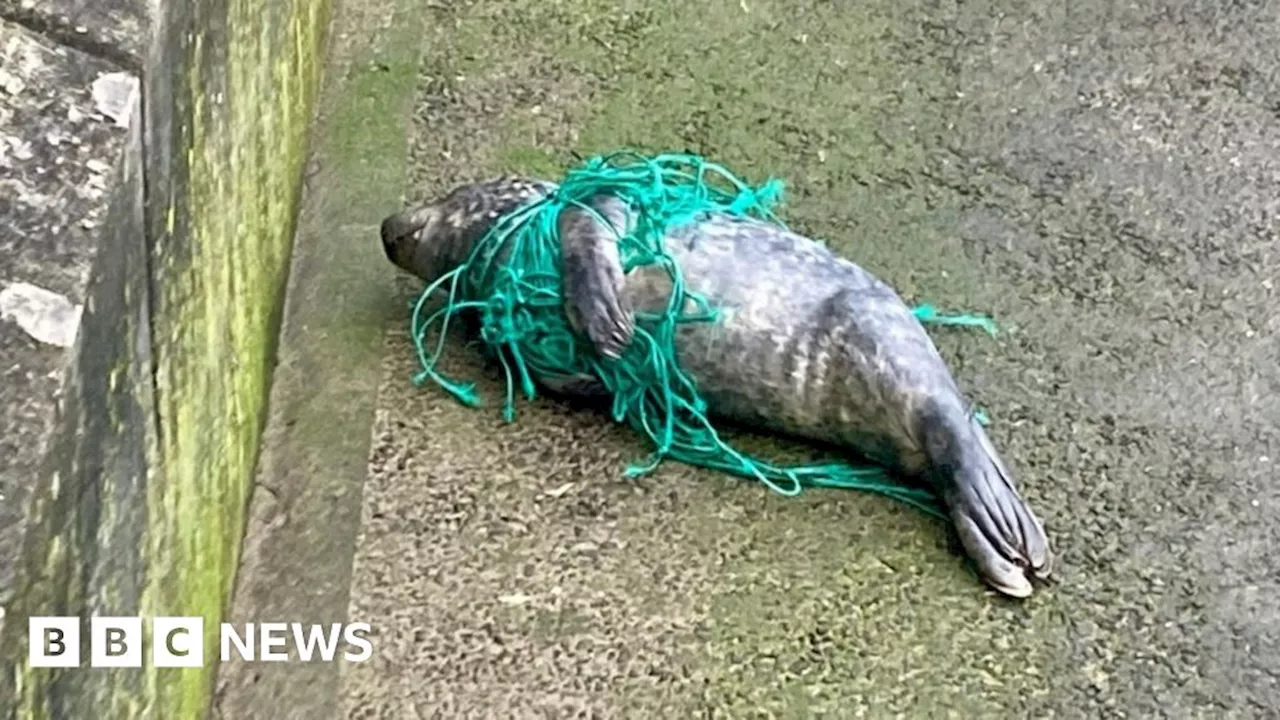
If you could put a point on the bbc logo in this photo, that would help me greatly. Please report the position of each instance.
(177, 642)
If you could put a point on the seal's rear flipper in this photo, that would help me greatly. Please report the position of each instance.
(998, 531)
(592, 274)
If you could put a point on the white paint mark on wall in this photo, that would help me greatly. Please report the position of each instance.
(46, 316)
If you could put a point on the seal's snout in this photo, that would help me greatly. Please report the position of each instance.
(403, 235)
(392, 232)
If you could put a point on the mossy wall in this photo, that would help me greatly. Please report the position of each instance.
(242, 77)
(140, 510)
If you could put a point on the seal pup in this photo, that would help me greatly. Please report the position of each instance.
(808, 345)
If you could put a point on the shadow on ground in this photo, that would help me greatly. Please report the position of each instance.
(1101, 180)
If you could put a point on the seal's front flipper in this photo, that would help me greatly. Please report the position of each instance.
(998, 531)
(591, 269)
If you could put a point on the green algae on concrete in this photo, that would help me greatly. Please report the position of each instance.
(305, 512)
(243, 79)
(230, 88)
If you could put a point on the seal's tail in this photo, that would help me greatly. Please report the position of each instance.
(997, 529)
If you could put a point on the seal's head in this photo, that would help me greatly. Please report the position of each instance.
(431, 239)
(407, 240)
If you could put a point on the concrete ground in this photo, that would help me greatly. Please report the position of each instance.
(1103, 180)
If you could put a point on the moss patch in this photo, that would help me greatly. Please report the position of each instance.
(250, 84)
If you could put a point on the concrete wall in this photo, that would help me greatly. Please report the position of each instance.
(139, 507)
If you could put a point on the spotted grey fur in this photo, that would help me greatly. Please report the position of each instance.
(809, 345)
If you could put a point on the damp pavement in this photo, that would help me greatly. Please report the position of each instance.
(1102, 179)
